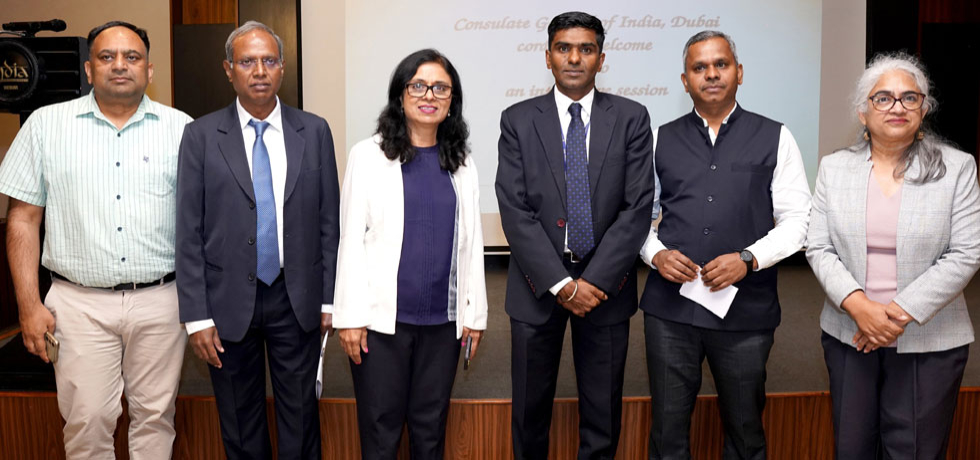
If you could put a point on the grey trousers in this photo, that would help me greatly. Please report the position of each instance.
(737, 359)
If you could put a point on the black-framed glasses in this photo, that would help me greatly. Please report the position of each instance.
(883, 101)
(439, 90)
(268, 62)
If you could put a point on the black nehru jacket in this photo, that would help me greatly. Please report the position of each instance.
(716, 200)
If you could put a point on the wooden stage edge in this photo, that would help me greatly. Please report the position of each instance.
(798, 426)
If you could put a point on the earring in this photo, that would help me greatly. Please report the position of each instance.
(920, 135)
(866, 137)
(449, 115)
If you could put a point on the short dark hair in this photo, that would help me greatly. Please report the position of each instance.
(705, 35)
(139, 33)
(453, 132)
(244, 29)
(573, 19)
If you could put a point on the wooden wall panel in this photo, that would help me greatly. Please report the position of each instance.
(198, 431)
(636, 429)
(208, 12)
(964, 439)
(479, 430)
(200, 84)
(338, 423)
(8, 301)
(30, 427)
(798, 426)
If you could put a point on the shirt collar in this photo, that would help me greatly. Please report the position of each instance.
(563, 101)
(274, 118)
(705, 121)
(89, 105)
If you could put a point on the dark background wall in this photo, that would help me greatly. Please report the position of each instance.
(943, 33)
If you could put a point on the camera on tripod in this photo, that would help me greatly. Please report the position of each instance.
(37, 71)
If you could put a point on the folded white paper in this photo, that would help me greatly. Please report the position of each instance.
(319, 366)
(716, 302)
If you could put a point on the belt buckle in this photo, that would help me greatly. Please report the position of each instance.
(124, 287)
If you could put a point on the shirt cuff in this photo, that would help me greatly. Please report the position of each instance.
(557, 287)
(764, 255)
(198, 326)
(651, 247)
(326, 308)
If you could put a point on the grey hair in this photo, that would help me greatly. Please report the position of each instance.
(928, 150)
(706, 35)
(244, 29)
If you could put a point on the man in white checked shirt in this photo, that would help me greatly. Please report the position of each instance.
(102, 170)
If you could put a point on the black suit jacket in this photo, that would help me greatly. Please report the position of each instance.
(531, 195)
(216, 221)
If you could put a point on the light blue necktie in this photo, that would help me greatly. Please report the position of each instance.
(266, 237)
(578, 201)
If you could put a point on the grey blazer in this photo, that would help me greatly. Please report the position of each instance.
(938, 247)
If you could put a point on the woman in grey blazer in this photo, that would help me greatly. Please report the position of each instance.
(894, 238)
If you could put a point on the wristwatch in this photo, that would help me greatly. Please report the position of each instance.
(747, 257)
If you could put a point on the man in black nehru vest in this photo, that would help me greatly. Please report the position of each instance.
(575, 184)
(735, 201)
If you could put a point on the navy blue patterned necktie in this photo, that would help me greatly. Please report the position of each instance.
(266, 235)
(578, 199)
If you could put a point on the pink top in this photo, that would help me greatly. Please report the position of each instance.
(881, 282)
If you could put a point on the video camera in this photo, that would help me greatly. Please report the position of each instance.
(37, 71)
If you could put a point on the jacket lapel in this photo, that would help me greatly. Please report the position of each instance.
(295, 146)
(855, 191)
(601, 123)
(549, 132)
(232, 147)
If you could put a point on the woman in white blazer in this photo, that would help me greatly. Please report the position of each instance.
(894, 238)
(410, 279)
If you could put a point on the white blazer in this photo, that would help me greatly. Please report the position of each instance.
(372, 221)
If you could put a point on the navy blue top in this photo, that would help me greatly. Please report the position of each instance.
(425, 270)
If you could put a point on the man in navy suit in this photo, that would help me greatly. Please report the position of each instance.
(257, 234)
(575, 186)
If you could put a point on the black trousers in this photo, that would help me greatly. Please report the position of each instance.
(737, 359)
(599, 354)
(239, 386)
(890, 405)
(405, 377)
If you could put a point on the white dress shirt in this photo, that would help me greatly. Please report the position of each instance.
(275, 144)
(790, 204)
(565, 118)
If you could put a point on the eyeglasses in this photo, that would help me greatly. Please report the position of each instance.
(248, 63)
(439, 90)
(884, 101)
